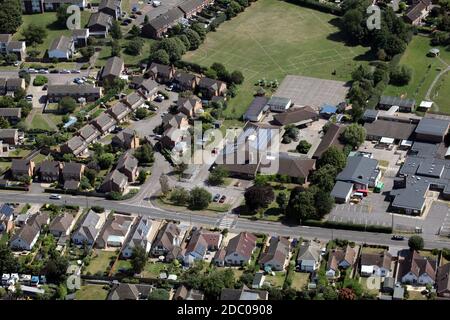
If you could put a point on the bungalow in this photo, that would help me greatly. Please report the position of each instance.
(126, 139)
(80, 37)
(418, 12)
(73, 171)
(189, 106)
(86, 91)
(190, 8)
(62, 48)
(309, 257)
(416, 269)
(200, 243)
(238, 251)
(184, 293)
(294, 167)
(159, 25)
(39, 220)
(210, 87)
(104, 123)
(330, 138)
(161, 73)
(168, 237)
(128, 165)
(89, 228)
(99, 24)
(342, 191)
(129, 291)
(443, 281)
(184, 81)
(62, 225)
(119, 111)
(22, 168)
(111, 7)
(277, 256)
(376, 264)
(115, 231)
(244, 294)
(133, 100)
(296, 116)
(76, 146)
(112, 70)
(49, 171)
(25, 238)
(141, 237)
(115, 181)
(13, 115)
(340, 258)
(88, 133)
(9, 136)
(256, 109)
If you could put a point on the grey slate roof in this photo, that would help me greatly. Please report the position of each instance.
(257, 106)
(113, 67)
(62, 43)
(396, 101)
(68, 89)
(431, 126)
(101, 19)
(309, 251)
(167, 18)
(10, 112)
(390, 129)
(341, 189)
(359, 170)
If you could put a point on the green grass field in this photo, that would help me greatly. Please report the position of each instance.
(47, 20)
(100, 261)
(425, 69)
(441, 94)
(272, 39)
(91, 292)
(39, 122)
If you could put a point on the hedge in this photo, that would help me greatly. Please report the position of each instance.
(326, 7)
(347, 226)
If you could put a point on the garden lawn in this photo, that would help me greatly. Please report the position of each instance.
(277, 280)
(39, 122)
(152, 270)
(300, 280)
(91, 292)
(4, 165)
(47, 20)
(425, 69)
(272, 39)
(122, 265)
(100, 261)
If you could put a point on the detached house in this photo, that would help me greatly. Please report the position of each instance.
(309, 257)
(13, 115)
(189, 106)
(90, 228)
(415, 269)
(340, 258)
(62, 48)
(112, 70)
(8, 46)
(80, 37)
(62, 225)
(111, 7)
(168, 237)
(49, 171)
(238, 251)
(184, 81)
(71, 175)
(128, 165)
(160, 72)
(201, 242)
(419, 12)
(115, 181)
(126, 139)
(376, 264)
(276, 256)
(99, 24)
(22, 168)
(211, 87)
(115, 231)
(141, 237)
(25, 238)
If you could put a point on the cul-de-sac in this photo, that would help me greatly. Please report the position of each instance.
(224, 150)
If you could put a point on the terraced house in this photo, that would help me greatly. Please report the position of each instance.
(40, 6)
(159, 25)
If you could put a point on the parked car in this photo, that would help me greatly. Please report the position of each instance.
(170, 87)
(31, 70)
(75, 71)
(55, 196)
(216, 197)
(156, 3)
(398, 237)
(222, 199)
(29, 97)
(65, 71)
(43, 71)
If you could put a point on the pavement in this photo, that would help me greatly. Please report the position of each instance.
(144, 208)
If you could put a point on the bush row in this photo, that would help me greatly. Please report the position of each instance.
(347, 226)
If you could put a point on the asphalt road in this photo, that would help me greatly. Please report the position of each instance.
(240, 224)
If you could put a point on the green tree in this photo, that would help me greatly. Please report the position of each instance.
(159, 294)
(237, 77)
(160, 56)
(34, 34)
(141, 113)
(217, 176)
(8, 263)
(292, 132)
(303, 146)
(282, 200)
(4, 124)
(324, 177)
(193, 37)
(416, 242)
(400, 76)
(67, 105)
(62, 15)
(199, 198)
(179, 196)
(353, 135)
(138, 259)
(105, 160)
(134, 47)
(116, 31)
(10, 16)
(115, 48)
(87, 52)
(301, 205)
(135, 31)
(323, 203)
(259, 196)
(142, 176)
(334, 157)
(144, 154)
(174, 47)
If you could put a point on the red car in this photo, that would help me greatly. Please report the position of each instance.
(222, 199)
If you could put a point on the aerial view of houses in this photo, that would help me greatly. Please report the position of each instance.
(183, 150)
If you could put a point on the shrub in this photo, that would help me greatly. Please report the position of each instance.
(39, 81)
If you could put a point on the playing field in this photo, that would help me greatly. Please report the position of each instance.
(272, 39)
(425, 69)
